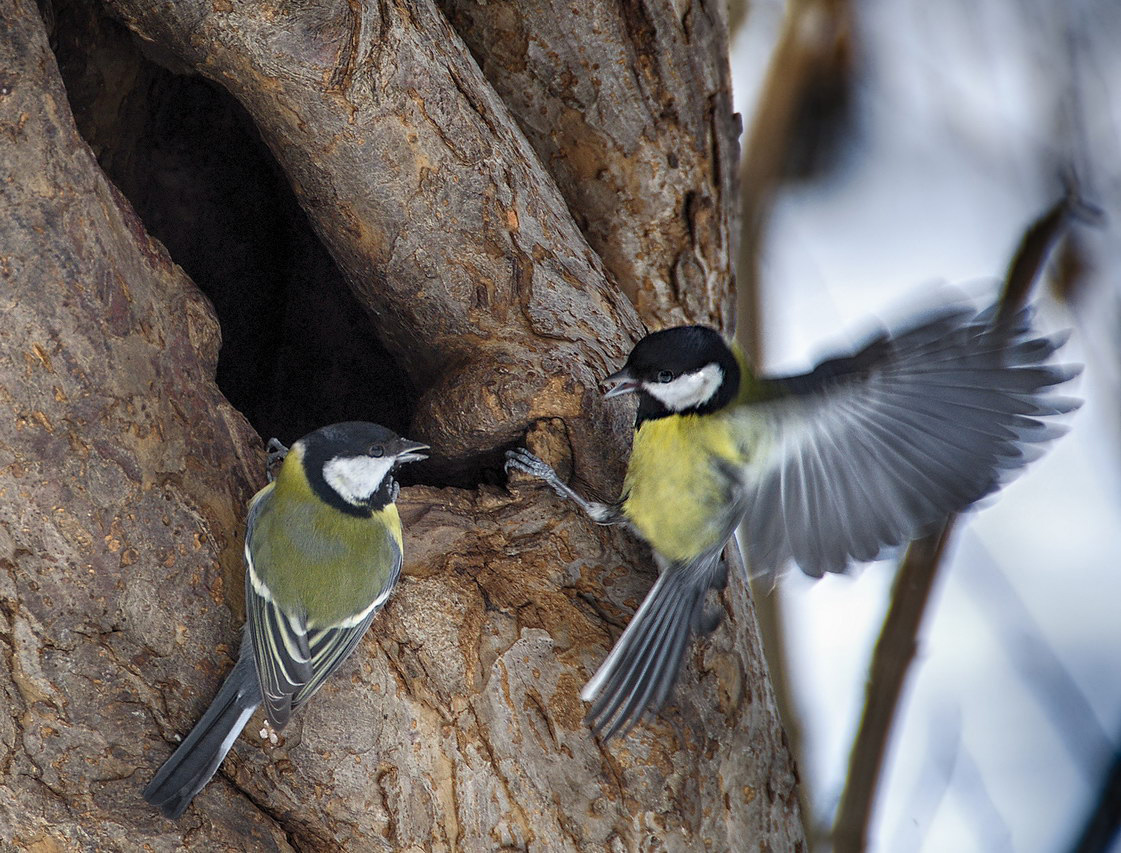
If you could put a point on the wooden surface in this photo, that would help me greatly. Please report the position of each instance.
(124, 473)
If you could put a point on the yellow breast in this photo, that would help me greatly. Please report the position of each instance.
(679, 487)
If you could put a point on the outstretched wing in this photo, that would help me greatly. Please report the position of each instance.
(868, 451)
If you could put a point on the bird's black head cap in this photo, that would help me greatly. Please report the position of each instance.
(355, 439)
(661, 358)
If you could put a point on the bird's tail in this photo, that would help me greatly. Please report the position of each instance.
(197, 758)
(641, 670)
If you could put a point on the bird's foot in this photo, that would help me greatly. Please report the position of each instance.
(520, 459)
(276, 454)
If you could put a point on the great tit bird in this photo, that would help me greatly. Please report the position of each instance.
(862, 454)
(322, 553)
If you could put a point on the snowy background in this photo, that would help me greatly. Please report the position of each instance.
(964, 113)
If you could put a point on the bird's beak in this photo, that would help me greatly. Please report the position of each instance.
(408, 451)
(619, 383)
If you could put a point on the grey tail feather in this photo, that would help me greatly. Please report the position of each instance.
(197, 759)
(639, 674)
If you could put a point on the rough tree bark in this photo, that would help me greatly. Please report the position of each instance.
(124, 471)
(627, 105)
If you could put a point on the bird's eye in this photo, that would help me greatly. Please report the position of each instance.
(665, 376)
(376, 450)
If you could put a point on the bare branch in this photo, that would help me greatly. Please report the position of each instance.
(813, 53)
(430, 200)
(1103, 825)
(891, 659)
(898, 639)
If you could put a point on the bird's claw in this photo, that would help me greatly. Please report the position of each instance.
(276, 454)
(520, 459)
(394, 491)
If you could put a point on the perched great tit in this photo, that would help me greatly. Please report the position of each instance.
(864, 453)
(322, 553)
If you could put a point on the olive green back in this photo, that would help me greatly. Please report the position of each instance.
(315, 558)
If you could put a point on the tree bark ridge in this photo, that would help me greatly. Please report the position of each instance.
(432, 203)
(629, 106)
(124, 476)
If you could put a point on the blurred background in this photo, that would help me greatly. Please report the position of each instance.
(892, 146)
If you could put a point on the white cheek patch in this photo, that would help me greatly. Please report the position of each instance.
(355, 478)
(688, 389)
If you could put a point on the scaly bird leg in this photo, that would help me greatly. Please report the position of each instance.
(522, 460)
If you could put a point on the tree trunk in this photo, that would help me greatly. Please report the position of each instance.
(475, 311)
(628, 105)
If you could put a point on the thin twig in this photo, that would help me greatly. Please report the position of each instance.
(813, 47)
(974, 800)
(1103, 824)
(895, 648)
(1055, 689)
(810, 42)
(891, 659)
(1036, 244)
(932, 782)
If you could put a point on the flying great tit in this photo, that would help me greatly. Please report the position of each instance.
(322, 553)
(864, 453)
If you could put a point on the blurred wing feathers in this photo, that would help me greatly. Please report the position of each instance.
(871, 449)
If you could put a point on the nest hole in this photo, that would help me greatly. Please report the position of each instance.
(298, 349)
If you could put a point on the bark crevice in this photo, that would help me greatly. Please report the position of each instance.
(124, 471)
(298, 350)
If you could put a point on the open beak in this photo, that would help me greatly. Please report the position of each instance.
(408, 451)
(619, 383)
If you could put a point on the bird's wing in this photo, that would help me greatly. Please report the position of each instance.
(279, 638)
(294, 658)
(868, 451)
(280, 650)
(329, 647)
